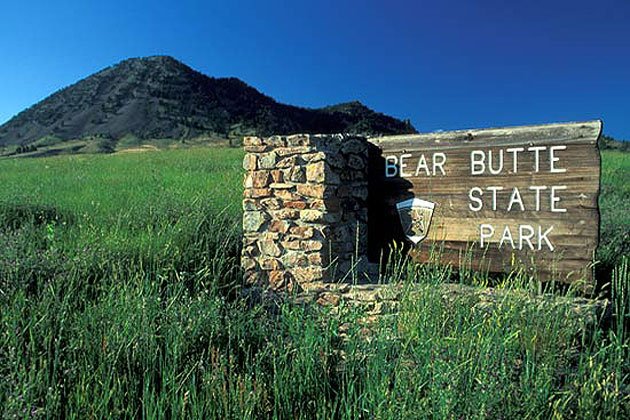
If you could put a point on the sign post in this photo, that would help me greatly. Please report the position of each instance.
(501, 199)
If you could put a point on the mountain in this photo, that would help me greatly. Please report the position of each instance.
(161, 98)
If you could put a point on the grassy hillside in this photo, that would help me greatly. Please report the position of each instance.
(116, 281)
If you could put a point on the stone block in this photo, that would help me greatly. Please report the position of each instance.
(302, 232)
(277, 176)
(354, 145)
(329, 143)
(312, 190)
(333, 204)
(276, 141)
(317, 204)
(250, 238)
(284, 214)
(328, 299)
(316, 172)
(271, 236)
(344, 191)
(361, 193)
(268, 264)
(267, 160)
(256, 149)
(298, 140)
(293, 259)
(314, 157)
(286, 195)
(259, 179)
(297, 204)
(269, 248)
(250, 204)
(281, 185)
(311, 245)
(291, 244)
(337, 161)
(356, 162)
(296, 150)
(248, 181)
(250, 250)
(315, 259)
(252, 141)
(311, 215)
(279, 226)
(249, 162)
(257, 192)
(253, 220)
(248, 263)
(295, 174)
(270, 203)
(321, 173)
(308, 274)
(287, 162)
(332, 217)
(279, 280)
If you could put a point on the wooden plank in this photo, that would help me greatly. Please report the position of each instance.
(503, 197)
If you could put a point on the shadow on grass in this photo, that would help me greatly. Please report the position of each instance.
(16, 216)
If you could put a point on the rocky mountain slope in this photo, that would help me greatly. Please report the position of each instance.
(161, 98)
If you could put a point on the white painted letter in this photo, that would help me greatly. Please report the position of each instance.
(515, 198)
(391, 170)
(485, 232)
(538, 189)
(555, 199)
(494, 196)
(507, 236)
(477, 200)
(422, 164)
(403, 165)
(543, 236)
(514, 151)
(439, 163)
(525, 238)
(553, 159)
(500, 168)
(474, 163)
(536, 150)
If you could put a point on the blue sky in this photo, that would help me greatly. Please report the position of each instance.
(444, 64)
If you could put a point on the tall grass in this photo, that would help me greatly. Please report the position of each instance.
(614, 202)
(116, 295)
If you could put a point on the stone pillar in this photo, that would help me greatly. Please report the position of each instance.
(305, 209)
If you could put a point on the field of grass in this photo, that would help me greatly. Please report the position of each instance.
(117, 280)
(614, 204)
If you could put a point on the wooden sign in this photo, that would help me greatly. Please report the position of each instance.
(494, 199)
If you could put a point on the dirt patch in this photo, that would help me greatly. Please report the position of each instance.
(144, 148)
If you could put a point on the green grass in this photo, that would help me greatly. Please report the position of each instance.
(141, 204)
(116, 300)
(614, 204)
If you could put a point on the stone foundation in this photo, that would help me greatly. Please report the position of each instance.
(305, 210)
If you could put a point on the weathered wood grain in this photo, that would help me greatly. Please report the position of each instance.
(455, 227)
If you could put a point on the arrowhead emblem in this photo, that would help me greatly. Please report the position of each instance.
(415, 216)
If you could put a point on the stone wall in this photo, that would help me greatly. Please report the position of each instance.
(305, 210)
